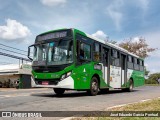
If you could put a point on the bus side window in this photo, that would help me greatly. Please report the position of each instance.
(97, 52)
(141, 65)
(136, 64)
(130, 62)
(85, 51)
(115, 58)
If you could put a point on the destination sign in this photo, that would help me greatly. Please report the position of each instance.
(52, 35)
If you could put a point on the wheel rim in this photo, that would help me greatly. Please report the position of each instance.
(94, 86)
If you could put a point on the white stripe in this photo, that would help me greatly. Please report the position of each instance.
(116, 106)
(67, 118)
(145, 100)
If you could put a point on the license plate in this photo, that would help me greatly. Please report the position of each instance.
(44, 82)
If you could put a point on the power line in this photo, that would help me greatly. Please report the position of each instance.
(13, 56)
(5, 62)
(12, 47)
(13, 51)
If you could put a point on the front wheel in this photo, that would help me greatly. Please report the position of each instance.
(59, 91)
(94, 87)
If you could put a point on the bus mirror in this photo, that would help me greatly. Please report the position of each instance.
(30, 54)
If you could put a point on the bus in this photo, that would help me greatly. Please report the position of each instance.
(69, 59)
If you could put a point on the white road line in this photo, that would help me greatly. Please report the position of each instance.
(116, 106)
(145, 100)
(67, 118)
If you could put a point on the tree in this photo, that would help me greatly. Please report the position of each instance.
(111, 41)
(139, 47)
(153, 78)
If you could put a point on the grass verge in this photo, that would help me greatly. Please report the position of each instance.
(151, 105)
(152, 84)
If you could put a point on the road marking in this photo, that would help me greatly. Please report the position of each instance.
(145, 100)
(67, 118)
(116, 106)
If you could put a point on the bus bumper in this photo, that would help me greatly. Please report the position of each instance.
(67, 83)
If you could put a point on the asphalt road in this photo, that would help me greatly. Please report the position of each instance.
(45, 99)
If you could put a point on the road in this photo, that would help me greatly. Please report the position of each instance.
(45, 99)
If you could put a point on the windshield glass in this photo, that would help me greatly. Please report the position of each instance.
(54, 53)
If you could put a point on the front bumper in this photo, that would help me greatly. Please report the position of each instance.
(67, 83)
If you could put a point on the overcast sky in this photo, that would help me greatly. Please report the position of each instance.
(22, 20)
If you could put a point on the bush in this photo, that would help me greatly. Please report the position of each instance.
(150, 81)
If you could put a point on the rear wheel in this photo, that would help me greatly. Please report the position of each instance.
(94, 87)
(130, 89)
(59, 91)
(131, 86)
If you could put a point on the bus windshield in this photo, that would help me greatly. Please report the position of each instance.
(54, 53)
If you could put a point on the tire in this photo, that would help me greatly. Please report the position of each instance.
(94, 87)
(59, 91)
(130, 89)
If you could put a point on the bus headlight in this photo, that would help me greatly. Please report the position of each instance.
(65, 75)
(68, 74)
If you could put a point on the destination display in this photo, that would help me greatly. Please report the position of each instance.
(52, 35)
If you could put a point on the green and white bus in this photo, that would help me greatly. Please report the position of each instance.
(69, 59)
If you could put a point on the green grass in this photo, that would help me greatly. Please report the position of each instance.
(152, 84)
(152, 105)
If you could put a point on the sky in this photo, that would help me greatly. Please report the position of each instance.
(22, 20)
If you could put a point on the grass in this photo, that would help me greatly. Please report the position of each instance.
(151, 105)
(152, 84)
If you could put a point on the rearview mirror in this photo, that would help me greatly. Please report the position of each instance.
(30, 52)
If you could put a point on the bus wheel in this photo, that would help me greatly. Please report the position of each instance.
(130, 89)
(94, 87)
(59, 91)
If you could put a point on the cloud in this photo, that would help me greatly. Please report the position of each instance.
(14, 30)
(144, 4)
(100, 34)
(53, 2)
(152, 38)
(114, 11)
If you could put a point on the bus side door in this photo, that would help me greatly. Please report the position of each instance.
(105, 66)
(124, 69)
